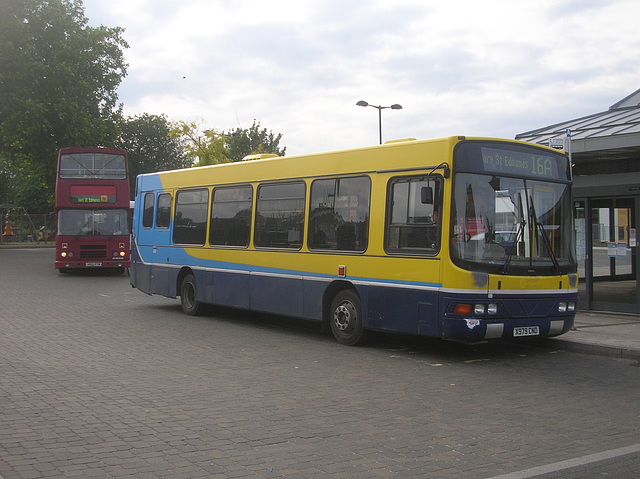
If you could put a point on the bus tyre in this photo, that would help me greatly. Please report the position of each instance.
(346, 318)
(188, 290)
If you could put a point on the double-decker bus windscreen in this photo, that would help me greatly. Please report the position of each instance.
(93, 165)
(511, 213)
(104, 222)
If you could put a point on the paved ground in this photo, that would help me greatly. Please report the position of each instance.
(100, 380)
(604, 334)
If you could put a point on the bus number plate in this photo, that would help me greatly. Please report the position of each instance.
(526, 331)
(94, 265)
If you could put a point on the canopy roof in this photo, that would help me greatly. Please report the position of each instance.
(611, 133)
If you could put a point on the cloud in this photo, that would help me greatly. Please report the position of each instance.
(491, 68)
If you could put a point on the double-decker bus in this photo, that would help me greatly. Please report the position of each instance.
(466, 239)
(92, 209)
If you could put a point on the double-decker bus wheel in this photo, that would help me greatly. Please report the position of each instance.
(346, 318)
(188, 300)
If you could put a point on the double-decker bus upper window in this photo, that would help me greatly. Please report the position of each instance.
(280, 215)
(147, 212)
(190, 222)
(231, 216)
(93, 165)
(339, 216)
(163, 211)
(413, 226)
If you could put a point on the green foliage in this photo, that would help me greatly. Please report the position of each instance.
(201, 147)
(209, 147)
(58, 81)
(243, 142)
(58, 88)
(32, 190)
(149, 146)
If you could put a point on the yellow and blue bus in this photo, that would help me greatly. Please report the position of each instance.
(465, 239)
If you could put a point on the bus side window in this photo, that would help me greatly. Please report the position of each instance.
(339, 216)
(413, 224)
(163, 212)
(190, 223)
(231, 216)
(280, 215)
(147, 213)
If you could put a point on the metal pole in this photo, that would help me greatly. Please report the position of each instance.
(380, 122)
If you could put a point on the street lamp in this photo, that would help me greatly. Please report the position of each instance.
(380, 108)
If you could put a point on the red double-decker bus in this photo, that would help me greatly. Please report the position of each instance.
(93, 209)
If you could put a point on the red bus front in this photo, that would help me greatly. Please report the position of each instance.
(92, 209)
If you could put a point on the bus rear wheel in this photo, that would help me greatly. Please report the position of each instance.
(188, 292)
(346, 318)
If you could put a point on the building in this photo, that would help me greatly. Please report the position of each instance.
(605, 150)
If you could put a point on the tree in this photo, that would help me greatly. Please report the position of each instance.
(209, 147)
(242, 142)
(58, 81)
(149, 146)
(201, 147)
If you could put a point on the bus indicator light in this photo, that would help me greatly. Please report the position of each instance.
(462, 309)
(342, 271)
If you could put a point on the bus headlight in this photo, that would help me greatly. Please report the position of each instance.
(122, 254)
(566, 306)
(478, 309)
(63, 254)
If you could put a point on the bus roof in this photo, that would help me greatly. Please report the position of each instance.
(411, 154)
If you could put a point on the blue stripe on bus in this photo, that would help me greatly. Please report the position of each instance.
(179, 257)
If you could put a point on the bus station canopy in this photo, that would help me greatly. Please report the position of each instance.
(610, 135)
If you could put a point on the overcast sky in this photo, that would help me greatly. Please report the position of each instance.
(468, 67)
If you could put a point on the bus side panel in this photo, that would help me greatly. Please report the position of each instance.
(276, 294)
(313, 291)
(140, 273)
(403, 310)
(228, 289)
(160, 282)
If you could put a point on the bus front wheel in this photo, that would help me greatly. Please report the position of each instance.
(188, 290)
(346, 318)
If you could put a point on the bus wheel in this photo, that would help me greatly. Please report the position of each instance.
(188, 300)
(346, 318)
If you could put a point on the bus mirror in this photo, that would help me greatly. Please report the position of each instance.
(426, 195)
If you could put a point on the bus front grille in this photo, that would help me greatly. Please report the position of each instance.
(93, 251)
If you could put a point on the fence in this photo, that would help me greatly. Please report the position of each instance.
(19, 226)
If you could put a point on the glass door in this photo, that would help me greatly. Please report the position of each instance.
(610, 262)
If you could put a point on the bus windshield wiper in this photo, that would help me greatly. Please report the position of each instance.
(545, 241)
(514, 246)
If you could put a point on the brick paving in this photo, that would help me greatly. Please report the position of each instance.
(100, 380)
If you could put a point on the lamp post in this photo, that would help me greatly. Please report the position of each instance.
(395, 106)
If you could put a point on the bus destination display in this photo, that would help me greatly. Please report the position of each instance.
(512, 162)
